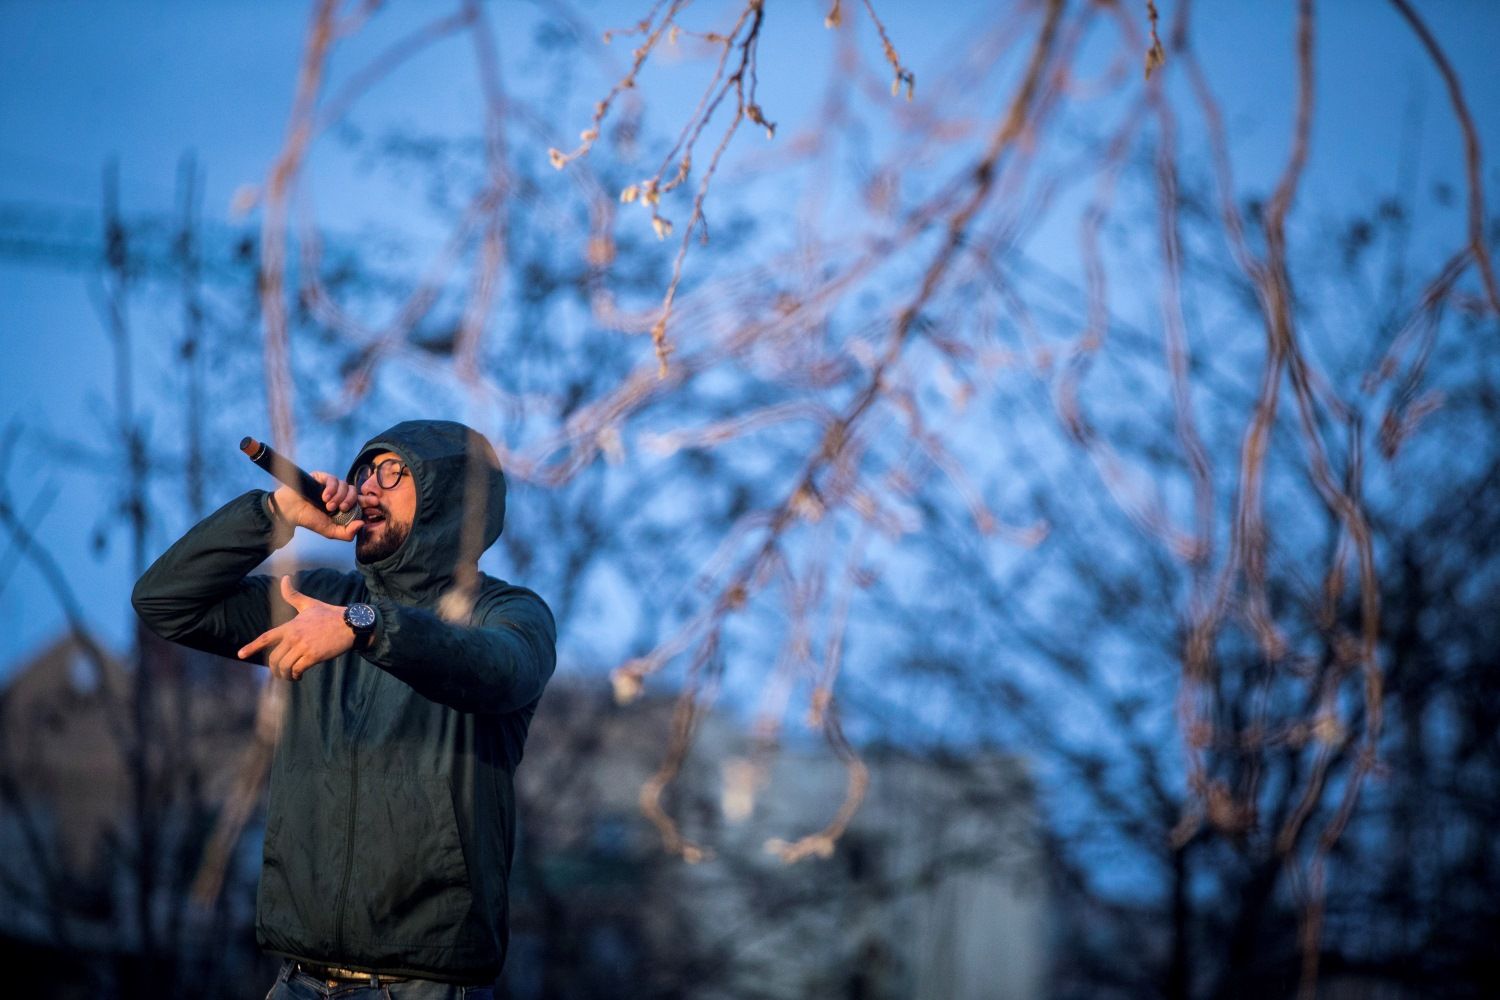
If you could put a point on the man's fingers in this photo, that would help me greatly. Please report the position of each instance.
(337, 494)
(260, 642)
(346, 533)
(292, 595)
(330, 484)
(296, 663)
(281, 658)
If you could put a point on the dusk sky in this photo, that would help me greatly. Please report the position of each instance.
(82, 83)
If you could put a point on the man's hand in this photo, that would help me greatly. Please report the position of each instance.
(317, 633)
(337, 496)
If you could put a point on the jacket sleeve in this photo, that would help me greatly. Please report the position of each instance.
(499, 663)
(198, 592)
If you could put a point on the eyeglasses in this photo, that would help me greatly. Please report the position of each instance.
(387, 473)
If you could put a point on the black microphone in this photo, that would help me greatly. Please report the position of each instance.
(287, 471)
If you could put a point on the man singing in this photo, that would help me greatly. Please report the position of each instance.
(391, 818)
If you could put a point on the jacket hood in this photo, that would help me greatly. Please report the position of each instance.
(460, 508)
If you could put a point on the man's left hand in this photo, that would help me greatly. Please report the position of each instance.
(317, 633)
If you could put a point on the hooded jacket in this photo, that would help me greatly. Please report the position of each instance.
(390, 824)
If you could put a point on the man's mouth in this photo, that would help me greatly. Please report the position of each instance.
(373, 517)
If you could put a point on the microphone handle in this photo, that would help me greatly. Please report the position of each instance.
(289, 473)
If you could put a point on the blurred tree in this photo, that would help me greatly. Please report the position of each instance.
(113, 772)
(1222, 904)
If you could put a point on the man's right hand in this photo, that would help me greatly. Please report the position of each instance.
(337, 496)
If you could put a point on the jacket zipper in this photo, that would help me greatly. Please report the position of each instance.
(343, 898)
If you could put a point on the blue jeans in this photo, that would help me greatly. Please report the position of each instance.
(293, 985)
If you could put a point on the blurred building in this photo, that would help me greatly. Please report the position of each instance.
(109, 790)
(936, 890)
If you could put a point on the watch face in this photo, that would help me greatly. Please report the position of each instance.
(360, 616)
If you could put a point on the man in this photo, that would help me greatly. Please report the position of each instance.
(391, 818)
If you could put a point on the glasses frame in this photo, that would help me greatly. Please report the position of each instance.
(365, 471)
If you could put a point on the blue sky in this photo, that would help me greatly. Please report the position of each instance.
(81, 83)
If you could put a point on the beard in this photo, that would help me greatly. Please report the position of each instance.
(375, 542)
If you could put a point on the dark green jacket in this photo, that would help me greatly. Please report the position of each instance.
(391, 818)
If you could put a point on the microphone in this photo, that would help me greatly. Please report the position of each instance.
(285, 470)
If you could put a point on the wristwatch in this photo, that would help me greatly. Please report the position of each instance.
(362, 618)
